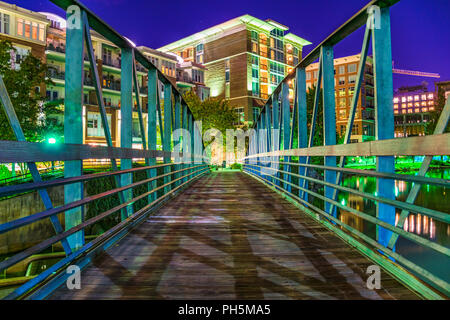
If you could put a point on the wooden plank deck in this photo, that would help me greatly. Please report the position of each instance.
(229, 236)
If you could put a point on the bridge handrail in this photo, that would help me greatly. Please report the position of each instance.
(284, 117)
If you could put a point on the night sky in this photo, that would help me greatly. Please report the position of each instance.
(420, 29)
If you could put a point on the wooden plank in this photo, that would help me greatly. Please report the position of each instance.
(215, 242)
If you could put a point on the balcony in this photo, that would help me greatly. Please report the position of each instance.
(112, 85)
(54, 74)
(56, 47)
(112, 63)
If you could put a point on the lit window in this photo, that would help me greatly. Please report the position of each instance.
(416, 110)
(34, 31)
(403, 99)
(410, 105)
(395, 100)
(410, 98)
(424, 97)
(430, 103)
(395, 106)
(430, 96)
(403, 105)
(396, 111)
(403, 111)
(424, 109)
(20, 27)
(416, 97)
(431, 108)
(416, 104)
(27, 29)
(424, 103)
(41, 32)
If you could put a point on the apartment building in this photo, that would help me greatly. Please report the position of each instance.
(346, 69)
(108, 57)
(185, 75)
(26, 30)
(246, 58)
(412, 107)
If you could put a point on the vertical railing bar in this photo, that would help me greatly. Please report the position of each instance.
(313, 122)
(353, 107)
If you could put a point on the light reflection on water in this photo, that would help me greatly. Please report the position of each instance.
(430, 196)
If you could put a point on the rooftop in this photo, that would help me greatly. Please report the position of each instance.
(247, 19)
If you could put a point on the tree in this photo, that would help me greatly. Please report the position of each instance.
(213, 112)
(21, 84)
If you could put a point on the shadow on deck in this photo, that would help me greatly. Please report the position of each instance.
(229, 236)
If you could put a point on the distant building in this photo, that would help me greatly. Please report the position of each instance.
(412, 106)
(346, 69)
(246, 58)
(444, 86)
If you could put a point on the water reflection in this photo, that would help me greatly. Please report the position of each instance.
(430, 196)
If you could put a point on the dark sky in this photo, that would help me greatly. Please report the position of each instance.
(420, 29)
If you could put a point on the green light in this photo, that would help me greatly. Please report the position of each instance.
(343, 202)
(52, 140)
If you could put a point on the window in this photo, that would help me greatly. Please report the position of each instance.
(424, 97)
(342, 113)
(395, 100)
(342, 102)
(315, 74)
(355, 129)
(352, 67)
(4, 23)
(20, 27)
(341, 81)
(197, 75)
(410, 98)
(342, 92)
(255, 89)
(255, 74)
(240, 113)
(227, 70)
(254, 35)
(199, 53)
(341, 69)
(227, 90)
(430, 96)
(308, 76)
(255, 60)
(27, 29)
(395, 106)
(94, 124)
(416, 97)
(403, 99)
(255, 114)
(34, 30)
(352, 79)
(41, 32)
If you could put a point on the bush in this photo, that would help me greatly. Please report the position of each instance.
(236, 166)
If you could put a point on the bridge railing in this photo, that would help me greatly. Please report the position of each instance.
(137, 190)
(273, 158)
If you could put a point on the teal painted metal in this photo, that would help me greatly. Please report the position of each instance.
(276, 128)
(302, 120)
(151, 124)
(384, 123)
(126, 122)
(329, 118)
(313, 123)
(18, 132)
(177, 125)
(351, 116)
(186, 135)
(73, 125)
(138, 102)
(286, 120)
(99, 94)
(167, 144)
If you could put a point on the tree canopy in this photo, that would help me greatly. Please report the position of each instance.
(21, 84)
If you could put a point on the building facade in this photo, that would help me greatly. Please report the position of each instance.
(26, 30)
(412, 107)
(245, 59)
(44, 35)
(346, 69)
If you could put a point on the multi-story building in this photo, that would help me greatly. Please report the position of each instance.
(185, 75)
(26, 30)
(246, 58)
(443, 86)
(108, 57)
(346, 69)
(412, 107)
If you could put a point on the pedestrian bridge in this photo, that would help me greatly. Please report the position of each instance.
(277, 229)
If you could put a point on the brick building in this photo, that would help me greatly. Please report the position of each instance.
(346, 69)
(245, 58)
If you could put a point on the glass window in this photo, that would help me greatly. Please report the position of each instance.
(352, 79)
(41, 32)
(352, 67)
(20, 27)
(308, 76)
(27, 29)
(395, 100)
(4, 23)
(341, 69)
(403, 99)
(341, 81)
(34, 31)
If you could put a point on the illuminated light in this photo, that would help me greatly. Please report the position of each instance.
(343, 202)
(130, 42)
(419, 224)
(411, 223)
(396, 191)
(52, 140)
(432, 229)
(425, 225)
